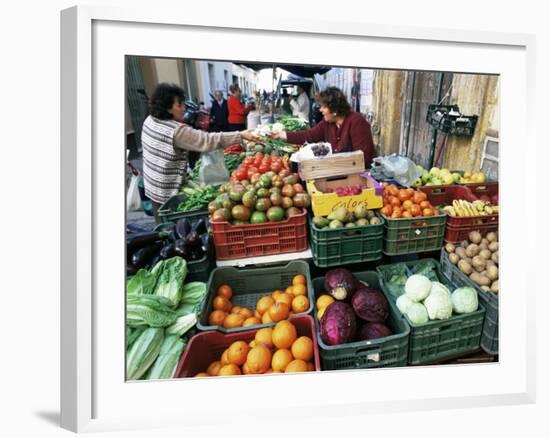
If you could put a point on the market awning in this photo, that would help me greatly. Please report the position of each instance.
(305, 71)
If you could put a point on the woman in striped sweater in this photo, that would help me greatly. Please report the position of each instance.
(166, 140)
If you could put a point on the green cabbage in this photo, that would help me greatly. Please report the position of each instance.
(403, 303)
(417, 287)
(439, 304)
(417, 313)
(464, 300)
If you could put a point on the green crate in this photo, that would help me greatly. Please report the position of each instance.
(407, 236)
(167, 212)
(341, 246)
(249, 285)
(390, 351)
(489, 339)
(438, 340)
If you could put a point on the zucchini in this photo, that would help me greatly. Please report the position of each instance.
(149, 310)
(143, 352)
(167, 361)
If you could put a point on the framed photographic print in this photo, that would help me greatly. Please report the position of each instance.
(238, 216)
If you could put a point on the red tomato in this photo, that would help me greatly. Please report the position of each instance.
(407, 204)
(241, 174)
(387, 210)
(276, 167)
(396, 215)
(407, 214)
(284, 173)
(427, 212)
(263, 168)
(255, 178)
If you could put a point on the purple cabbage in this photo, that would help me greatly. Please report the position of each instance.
(370, 304)
(340, 284)
(373, 330)
(338, 324)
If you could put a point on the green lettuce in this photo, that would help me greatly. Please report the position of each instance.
(171, 278)
(142, 283)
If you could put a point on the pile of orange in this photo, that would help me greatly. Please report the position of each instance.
(406, 203)
(276, 349)
(322, 303)
(271, 308)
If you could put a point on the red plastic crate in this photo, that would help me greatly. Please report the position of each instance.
(458, 228)
(439, 195)
(253, 240)
(207, 347)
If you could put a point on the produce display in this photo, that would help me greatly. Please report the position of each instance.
(426, 300)
(463, 208)
(198, 198)
(438, 177)
(278, 306)
(161, 312)
(267, 197)
(146, 248)
(232, 161)
(406, 203)
(341, 217)
(276, 349)
(292, 123)
(354, 189)
(350, 310)
(477, 257)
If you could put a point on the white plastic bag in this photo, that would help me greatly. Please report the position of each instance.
(133, 200)
(213, 170)
(396, 167)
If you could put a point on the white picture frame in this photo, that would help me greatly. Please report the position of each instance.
(93, 397)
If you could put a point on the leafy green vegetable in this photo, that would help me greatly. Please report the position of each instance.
(171, 278)
(142, 283)
(292, 123)
(167, 361)
(149, 310)
(427, 268)
(182, 325)
(198, 198)
(132, 334)
(395, 277)
(193, 292)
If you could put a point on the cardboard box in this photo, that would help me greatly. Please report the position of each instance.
(344, 163)
(324, 203)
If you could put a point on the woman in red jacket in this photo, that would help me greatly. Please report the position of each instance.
(344, 129)
(237, 112)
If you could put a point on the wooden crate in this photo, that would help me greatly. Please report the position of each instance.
(345, 163)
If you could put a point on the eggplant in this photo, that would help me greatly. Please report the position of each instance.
(196, 254)
(207, 244)
(192, 240)
(183, 227)
(173, 236)
(143, 255)
(167, 251)
(136, 241)
(199, 227)
(180, 248)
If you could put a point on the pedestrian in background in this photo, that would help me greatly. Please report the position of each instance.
(218, 113)
(237, 112)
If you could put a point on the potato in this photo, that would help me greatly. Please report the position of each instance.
(461, 252)
(486, 288)
(480, 279)
(494, 286)
(465, 267)
(472, 250)
(490, 263)
(494, 257)
(464, 244)
(454, 258)
(483, 246)
(475, 237)
(479, 263)
(485, 242)
(485, 253)
(492, 236)
(492, 273)
(450, 248)
(493, 246)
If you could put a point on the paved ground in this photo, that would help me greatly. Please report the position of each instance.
(140, 218)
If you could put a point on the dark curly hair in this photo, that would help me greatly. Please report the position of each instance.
(163, 99)
(335, 101)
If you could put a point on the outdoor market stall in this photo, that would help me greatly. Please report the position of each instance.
(310, 263)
